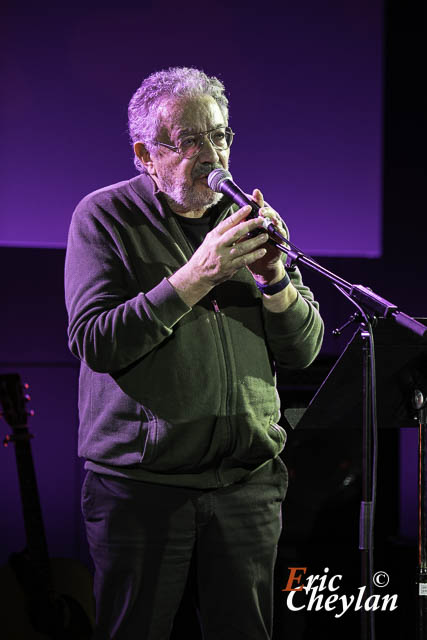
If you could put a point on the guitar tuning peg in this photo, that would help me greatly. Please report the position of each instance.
(31, 413)
(27, 398)
(26, 386)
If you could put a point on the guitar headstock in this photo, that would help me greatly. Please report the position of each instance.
(13, 400)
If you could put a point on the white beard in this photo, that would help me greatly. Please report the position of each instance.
(184, 197)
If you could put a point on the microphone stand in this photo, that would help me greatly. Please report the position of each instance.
(362, 297)
(371, 306)
(419, 403)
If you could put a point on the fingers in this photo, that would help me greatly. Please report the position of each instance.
(258, 197)
(266, 212)
(246, 252)
(234, 219)
(249, 258)
(236, 226)
(244, 247)
(240, 248)
(227, 248)
(242, 232)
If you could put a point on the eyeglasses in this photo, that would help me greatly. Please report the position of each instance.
(190, 146)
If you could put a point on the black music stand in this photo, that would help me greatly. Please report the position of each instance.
(401, 364)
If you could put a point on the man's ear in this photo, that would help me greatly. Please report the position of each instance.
(145, 157)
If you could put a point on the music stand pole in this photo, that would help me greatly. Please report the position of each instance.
(366, 541)
(420, 404)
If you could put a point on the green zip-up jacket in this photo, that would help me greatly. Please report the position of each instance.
(169, 393)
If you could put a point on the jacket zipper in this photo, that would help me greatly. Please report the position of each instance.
(215, 305)
(218, 317)
(228, 387)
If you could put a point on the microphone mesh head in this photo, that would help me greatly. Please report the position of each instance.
(216, 177)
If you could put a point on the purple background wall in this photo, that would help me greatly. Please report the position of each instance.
(305, 83)
(80, 143)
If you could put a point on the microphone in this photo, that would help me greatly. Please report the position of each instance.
(221, 181)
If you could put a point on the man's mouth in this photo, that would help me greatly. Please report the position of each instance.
(206, 171)
(203, 179)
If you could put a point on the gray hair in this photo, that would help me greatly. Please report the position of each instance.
(143, 111)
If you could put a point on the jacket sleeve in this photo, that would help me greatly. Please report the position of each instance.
(111, 324)
(295, 336)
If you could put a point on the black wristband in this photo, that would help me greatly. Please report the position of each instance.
(271, 289)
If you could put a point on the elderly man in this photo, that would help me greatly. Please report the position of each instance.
(179, 318)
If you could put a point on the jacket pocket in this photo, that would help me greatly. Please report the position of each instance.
(188, 447)
(149, 436)
(278, 433)
(256, 444)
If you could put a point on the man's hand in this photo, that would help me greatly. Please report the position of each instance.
(225, 250)
(269, 268)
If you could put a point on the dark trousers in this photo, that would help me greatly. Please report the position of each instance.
(142, 539)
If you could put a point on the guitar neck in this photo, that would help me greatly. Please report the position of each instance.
(33, 520)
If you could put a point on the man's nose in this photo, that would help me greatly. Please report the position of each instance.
(208, 153)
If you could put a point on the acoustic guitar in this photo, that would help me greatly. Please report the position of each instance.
(40, 598)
